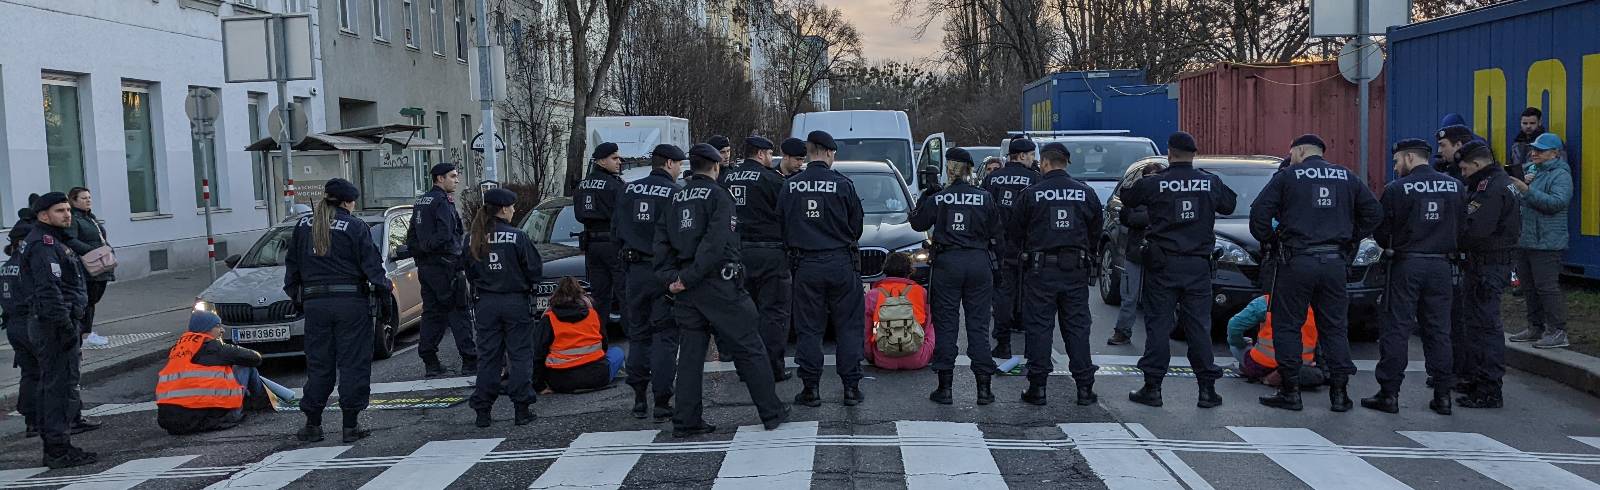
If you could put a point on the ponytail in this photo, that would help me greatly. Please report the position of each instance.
(478, 232)
(321, 222)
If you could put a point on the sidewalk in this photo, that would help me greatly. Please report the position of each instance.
(138, 317)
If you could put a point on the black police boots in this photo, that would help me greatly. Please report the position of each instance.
(1441, 401)
(1339, 395)
(808, 396)
(852, 395)
(641, 405)
(524, 414)
(353, 434)
(71, 457)
(1036, 394)
(1208, 395)
(663, 411)
(1149, 394)
(1287, 397)
(1001, 350)
(985, 395)
(1482, 398)
(1386, 401)
(775, 422)
(942, 395)
(431, 367)
(484, 420)
(469, 367)
(84, 424)
(1086, 394)
(309, 433)
(678, 433)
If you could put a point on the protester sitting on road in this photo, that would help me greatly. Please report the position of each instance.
(1257, 362)
(897, 307)
(206, 382)
(569, 350)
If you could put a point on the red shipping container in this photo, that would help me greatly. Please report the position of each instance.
(1251, 110)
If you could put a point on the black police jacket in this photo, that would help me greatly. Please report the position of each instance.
(961, 216)
(1451, 168)
(1494, 215)
(1316, 203)
(54, 278)
(1058, 213)
(1183, 203)
(820, 210)
(1006, 185)
(14, 299)
(595, 201)
(1422, 213)
(436, 229)
(1137, 219)
(755, 190)
(352, 257)
(509, 263)
(697, 239)
(642, 208)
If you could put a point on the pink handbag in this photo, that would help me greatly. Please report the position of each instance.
(100, 260)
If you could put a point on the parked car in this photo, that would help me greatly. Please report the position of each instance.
(1238, 275)
(1099, 158)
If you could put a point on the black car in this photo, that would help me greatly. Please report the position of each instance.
(1238, 274)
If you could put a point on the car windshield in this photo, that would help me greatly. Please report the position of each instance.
(1247, 182)
(552, 224)
(269, 250)
(1104, 160)
(980, 153)
(894, 151)
(881, 193)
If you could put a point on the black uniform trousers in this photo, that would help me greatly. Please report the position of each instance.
(1484, 331)
(505, 332)
(338, 344)
(652, 336)
(1057, 296)
(720, 306)
(1417, 300)
(1007, 300)
(57, 404)
(1315, 281)
(768, 279)
(26, 360)
(962, 279)
(1181, 282)
(444, 305)
(828, 286)
(602, 267)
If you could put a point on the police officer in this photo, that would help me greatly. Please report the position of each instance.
(1322, 211)
(595, 203)
(1182, 202)
(504, 269)
(58, 285)
(794, 157)
(697, 256)
(331, 263)
(1006, 185)
(1451, 139)
(14, 312)
(755, 188)
(822, 221)
(435, 241)
(1489, 238)
(652, 337)
(724, 147)
(1058, 229)
(965, 223)
(1422, 217)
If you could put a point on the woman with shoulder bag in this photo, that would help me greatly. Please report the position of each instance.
(87, 238)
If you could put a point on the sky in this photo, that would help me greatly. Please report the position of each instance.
(882, 36)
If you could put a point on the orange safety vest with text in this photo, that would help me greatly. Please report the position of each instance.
(574, 344)
(186, 384)
(1266, 355)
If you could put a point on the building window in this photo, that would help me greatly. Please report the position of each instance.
(347, 17)
(379, 30)
(205, 163)
(139, 149)
(62, 133)
(413, 29)
(461, 30)
(467, 131)
(436, 11)
(258, 160)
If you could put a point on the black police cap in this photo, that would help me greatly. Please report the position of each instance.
(441, 169)
(1455, 132)
(822, 139)
(47, 201)
(1182, 141)
(499, 196)
(1474, 149)
(1020, 145)
(341, 190)
(718, 141)
(794, 147)
(705, 151)
(1057, 147)
(1310, 139)
(670, 152)
(758, 143)
(1412, 144)
(604, 150)
(958, 154)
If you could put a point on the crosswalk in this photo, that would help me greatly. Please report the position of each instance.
(933, 454)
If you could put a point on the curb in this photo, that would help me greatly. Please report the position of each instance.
(1574, 369)
(98, 369)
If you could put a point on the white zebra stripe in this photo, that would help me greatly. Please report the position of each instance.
(1120, 469)
(1514, 474)
(1327, 470)
(129, 474)
(434, 465)
(594, 472)
(769, 467)
(953, 466)
(271, 472)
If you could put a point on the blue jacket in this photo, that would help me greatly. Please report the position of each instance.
(1544, 206)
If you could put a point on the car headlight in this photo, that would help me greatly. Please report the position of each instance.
(1368, 254)
(1231, 253)
(918, 253)
(203, 305)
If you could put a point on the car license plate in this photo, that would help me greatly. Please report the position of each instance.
(542, 302)
(260, 334)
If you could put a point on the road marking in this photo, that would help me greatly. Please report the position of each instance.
(434, 465)
(1332, 467)
(595, 471)
(966, 464)
(280, 469)
(8, 476)
(1514, 474)
(130, 474)
(1120, 469)
(1592, 441)
(1182, 470)
(769, 467)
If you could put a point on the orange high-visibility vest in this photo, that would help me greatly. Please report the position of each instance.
(186, 384)
(1266, 355)
(575, 344)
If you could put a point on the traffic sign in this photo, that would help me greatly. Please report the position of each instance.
(297, 123)
(1360, 61)
(201, 105)
(477, 143)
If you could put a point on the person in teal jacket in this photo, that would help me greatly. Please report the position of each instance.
(1546, 191)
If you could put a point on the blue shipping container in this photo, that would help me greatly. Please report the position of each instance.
(1150, 111)
(1069, 100)
(1489, 64)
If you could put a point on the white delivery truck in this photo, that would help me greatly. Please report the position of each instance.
(883, 136)
(636, 136)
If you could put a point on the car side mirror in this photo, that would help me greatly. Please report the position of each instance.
(233, 260)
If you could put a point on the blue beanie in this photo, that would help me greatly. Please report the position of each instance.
(203, 321)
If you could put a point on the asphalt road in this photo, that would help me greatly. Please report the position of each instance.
(897, 439)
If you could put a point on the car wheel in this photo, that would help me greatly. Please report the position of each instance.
(1110, 281)
(383, 342)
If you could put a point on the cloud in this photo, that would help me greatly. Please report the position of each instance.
(885, 37)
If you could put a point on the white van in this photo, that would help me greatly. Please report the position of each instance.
(636, 136)
(883, 136)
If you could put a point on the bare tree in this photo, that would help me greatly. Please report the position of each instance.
(590, 65)
(807, 47)
(681, 68)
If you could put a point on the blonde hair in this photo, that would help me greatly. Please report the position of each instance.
(321, 224)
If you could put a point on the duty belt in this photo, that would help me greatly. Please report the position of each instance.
(1421, 255)
(599, 236)
(332, 289)
(830, 251)
(631, 255)
(762, 244)
(1319, 250)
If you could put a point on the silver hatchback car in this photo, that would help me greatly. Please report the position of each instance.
(257, 314)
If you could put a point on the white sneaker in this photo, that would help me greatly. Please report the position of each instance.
(95, 339)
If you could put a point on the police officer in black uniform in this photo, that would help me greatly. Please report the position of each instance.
(435, 241)
(1183, 203)
(14, 311)
(1422, 217)
(1058, 229)
(724, 147)
(1489, 238)
(1452, 139)
(594, 204)
(1323, 211)
(965, 223)
(822, 221)
(755, 188)
(332, 264)
(794, 157)
(504, 269)
(54, 277)
(697, 257)
(1006, 186)
(652, 336)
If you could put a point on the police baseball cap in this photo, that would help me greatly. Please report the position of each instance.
(670, 152)
(1547, 141)
(1474, 149)
(441, 169)
(1310, 139)
(1054, 146)
(958, 155)
(1020, 144)
(705, 151)
(604, 150)
(341, 190)
(1412, 144)
(758, 143)
(822, 139)
(1455, 132)
(499, 196)
(718, 141)
(794, 147)
(1182, 141)
(47, 201)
